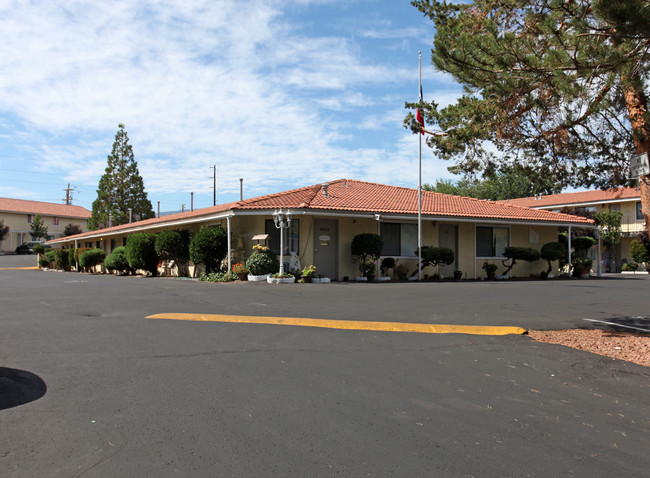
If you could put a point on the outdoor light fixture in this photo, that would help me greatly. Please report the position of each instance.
(282, 221)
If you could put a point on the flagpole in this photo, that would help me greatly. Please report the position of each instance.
(420, 179)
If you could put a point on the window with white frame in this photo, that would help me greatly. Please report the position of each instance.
(491, 241)
(290, 239)
(400, 239)
(55, 221)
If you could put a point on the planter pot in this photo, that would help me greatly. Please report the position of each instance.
(382, 278)
(261, 278)
(360, 279)
(322, 280)
(458, 275)
(307, 279)
(280, 280)
(242, 276)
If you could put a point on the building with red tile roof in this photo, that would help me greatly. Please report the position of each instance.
(19, 214)
(625, 200)
(325, 218)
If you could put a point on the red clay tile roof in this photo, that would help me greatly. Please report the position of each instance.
(348, 195)
(360, 196)
(578, 198)
(22, 206)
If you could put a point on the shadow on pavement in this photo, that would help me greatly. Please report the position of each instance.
(18, 387)
(623, 324)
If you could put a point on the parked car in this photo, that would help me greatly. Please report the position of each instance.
(28, 247)
(24, 249)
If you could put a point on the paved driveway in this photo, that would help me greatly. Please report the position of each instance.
(91, 388)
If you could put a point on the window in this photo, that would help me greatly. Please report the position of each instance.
(639, 212)
(491, 241)
(399, 239)
(290, 241)
(30, 218)
(55, 221)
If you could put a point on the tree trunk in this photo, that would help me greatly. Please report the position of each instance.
(637, 107)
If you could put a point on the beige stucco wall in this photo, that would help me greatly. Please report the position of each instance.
(19, 229)
(244, 227)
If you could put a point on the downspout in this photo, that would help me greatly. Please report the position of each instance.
(569, 249)
(229, 244)
(378, 218)
(600, 262)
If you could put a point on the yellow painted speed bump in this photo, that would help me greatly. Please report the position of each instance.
(18, 268)
(347, 324)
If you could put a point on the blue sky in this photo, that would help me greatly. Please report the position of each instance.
(281, 93)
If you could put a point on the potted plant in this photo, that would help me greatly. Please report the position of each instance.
(261, 263)
(278, 278)
(387, 263)
(490, 270)
(240, 271)
(308, 274)
(458, 274)
(367, 248)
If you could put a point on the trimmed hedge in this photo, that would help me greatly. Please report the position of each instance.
(91, 258)
(141, 252)
(553, 251)
(209, 247)
(262, 261)
(117, 260)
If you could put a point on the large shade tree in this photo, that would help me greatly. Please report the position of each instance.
(560, 87)
(120, 188)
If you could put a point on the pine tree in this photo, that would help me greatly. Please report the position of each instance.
(120, 188)
(556, 86)
(38, 229)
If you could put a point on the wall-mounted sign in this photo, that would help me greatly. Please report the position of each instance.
(639, 165)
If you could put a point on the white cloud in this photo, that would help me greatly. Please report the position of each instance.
(197, 83)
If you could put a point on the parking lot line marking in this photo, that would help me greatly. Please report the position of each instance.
(18, 268)
(347, 324)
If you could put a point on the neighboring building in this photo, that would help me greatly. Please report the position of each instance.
(19, 214)
(325, 218)
(625, 200)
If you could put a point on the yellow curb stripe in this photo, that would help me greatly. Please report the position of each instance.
(347, 324)
(18, 268)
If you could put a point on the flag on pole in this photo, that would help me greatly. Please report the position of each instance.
(419, 116)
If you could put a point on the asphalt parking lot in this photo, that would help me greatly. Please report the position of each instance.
(92, 388)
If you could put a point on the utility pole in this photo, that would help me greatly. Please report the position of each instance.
(214, 177)
(68, 195)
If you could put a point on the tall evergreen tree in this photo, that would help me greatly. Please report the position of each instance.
(558, 86)
(120, 188)
(38, 229)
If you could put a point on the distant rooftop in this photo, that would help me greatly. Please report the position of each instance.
(577, 199)
(22, 206)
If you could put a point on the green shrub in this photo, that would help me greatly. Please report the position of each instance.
(141, 252)
(209, 247)
(117, 260)
(61, 259)
(582, 245)
(262, 261)
(630, 266)
(434, 256)
(50, 255)
(367, 248)
(553, 251)
(38, 248)
(91, 258)
(218, 277)
(71, 257)
(514, 254)
(639, 252)
(387, 264)
(43, 262)
(173, 245)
